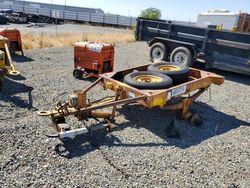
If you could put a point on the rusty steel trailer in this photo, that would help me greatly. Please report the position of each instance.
(178, 97)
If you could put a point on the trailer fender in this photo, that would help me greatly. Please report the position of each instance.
(172, 44)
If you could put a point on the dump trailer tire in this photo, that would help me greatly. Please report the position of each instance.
(148, 80)
(1, 85)
(182, 55)
(2, 73)
(78, 74)
(178, 72)
(158, 52)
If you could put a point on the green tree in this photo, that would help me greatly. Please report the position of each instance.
(152, 13)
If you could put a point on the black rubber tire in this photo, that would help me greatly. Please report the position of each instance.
(1, 85)
(2, 73)
(106, 67)
(14, 45)
(178, 76)
(162, 52)
(78, 74)
(165, 83)
(186, 53)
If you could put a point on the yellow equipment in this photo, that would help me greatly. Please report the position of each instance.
(6, 64)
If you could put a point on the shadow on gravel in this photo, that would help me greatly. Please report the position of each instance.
(214, 123)
(156, 121)
(82, 145)
(16, 77)
(74, 148)
(20, 59)
(89, 79)
(11, 88)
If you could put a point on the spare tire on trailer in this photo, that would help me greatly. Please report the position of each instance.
(148, 80)
(178, 72)
(182, 55)
(158, 52)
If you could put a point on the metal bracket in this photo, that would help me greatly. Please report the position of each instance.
(204, 44)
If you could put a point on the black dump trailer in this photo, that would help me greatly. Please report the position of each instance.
(185, 44)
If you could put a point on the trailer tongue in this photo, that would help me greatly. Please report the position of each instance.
(178, 97)
(6, 64)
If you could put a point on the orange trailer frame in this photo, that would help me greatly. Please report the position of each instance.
(178, 97)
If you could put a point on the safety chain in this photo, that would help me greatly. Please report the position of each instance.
(62, 108)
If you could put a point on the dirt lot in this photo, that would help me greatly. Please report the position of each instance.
(137, 153)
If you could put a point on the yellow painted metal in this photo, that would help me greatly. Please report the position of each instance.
(248, 62)
(148, 78)
(171, 98)
(219, 27)
(13, 72)
(109, 85)
(168, 67)
(159, 100)
(7, 62)
(99, 114)
(197, 80)
(3, 40)
(72, 109)
(44, 113)
(2, 59)
(234, 28)
(104, 101)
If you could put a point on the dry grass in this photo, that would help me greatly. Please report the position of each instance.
(45, 40)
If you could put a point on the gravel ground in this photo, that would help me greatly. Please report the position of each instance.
(135, 154)
(64, 28)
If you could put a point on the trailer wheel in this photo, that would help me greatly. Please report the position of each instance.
(1, 85)
(148, 80)
(176, 71)
(77, 73)
(14, 46)
(1, 78)
(182, 55)
(106, 67)
(158, 52)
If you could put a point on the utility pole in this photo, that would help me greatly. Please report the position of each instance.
(65, 3)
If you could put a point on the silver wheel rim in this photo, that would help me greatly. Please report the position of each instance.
(180, 57)
(157, 53)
